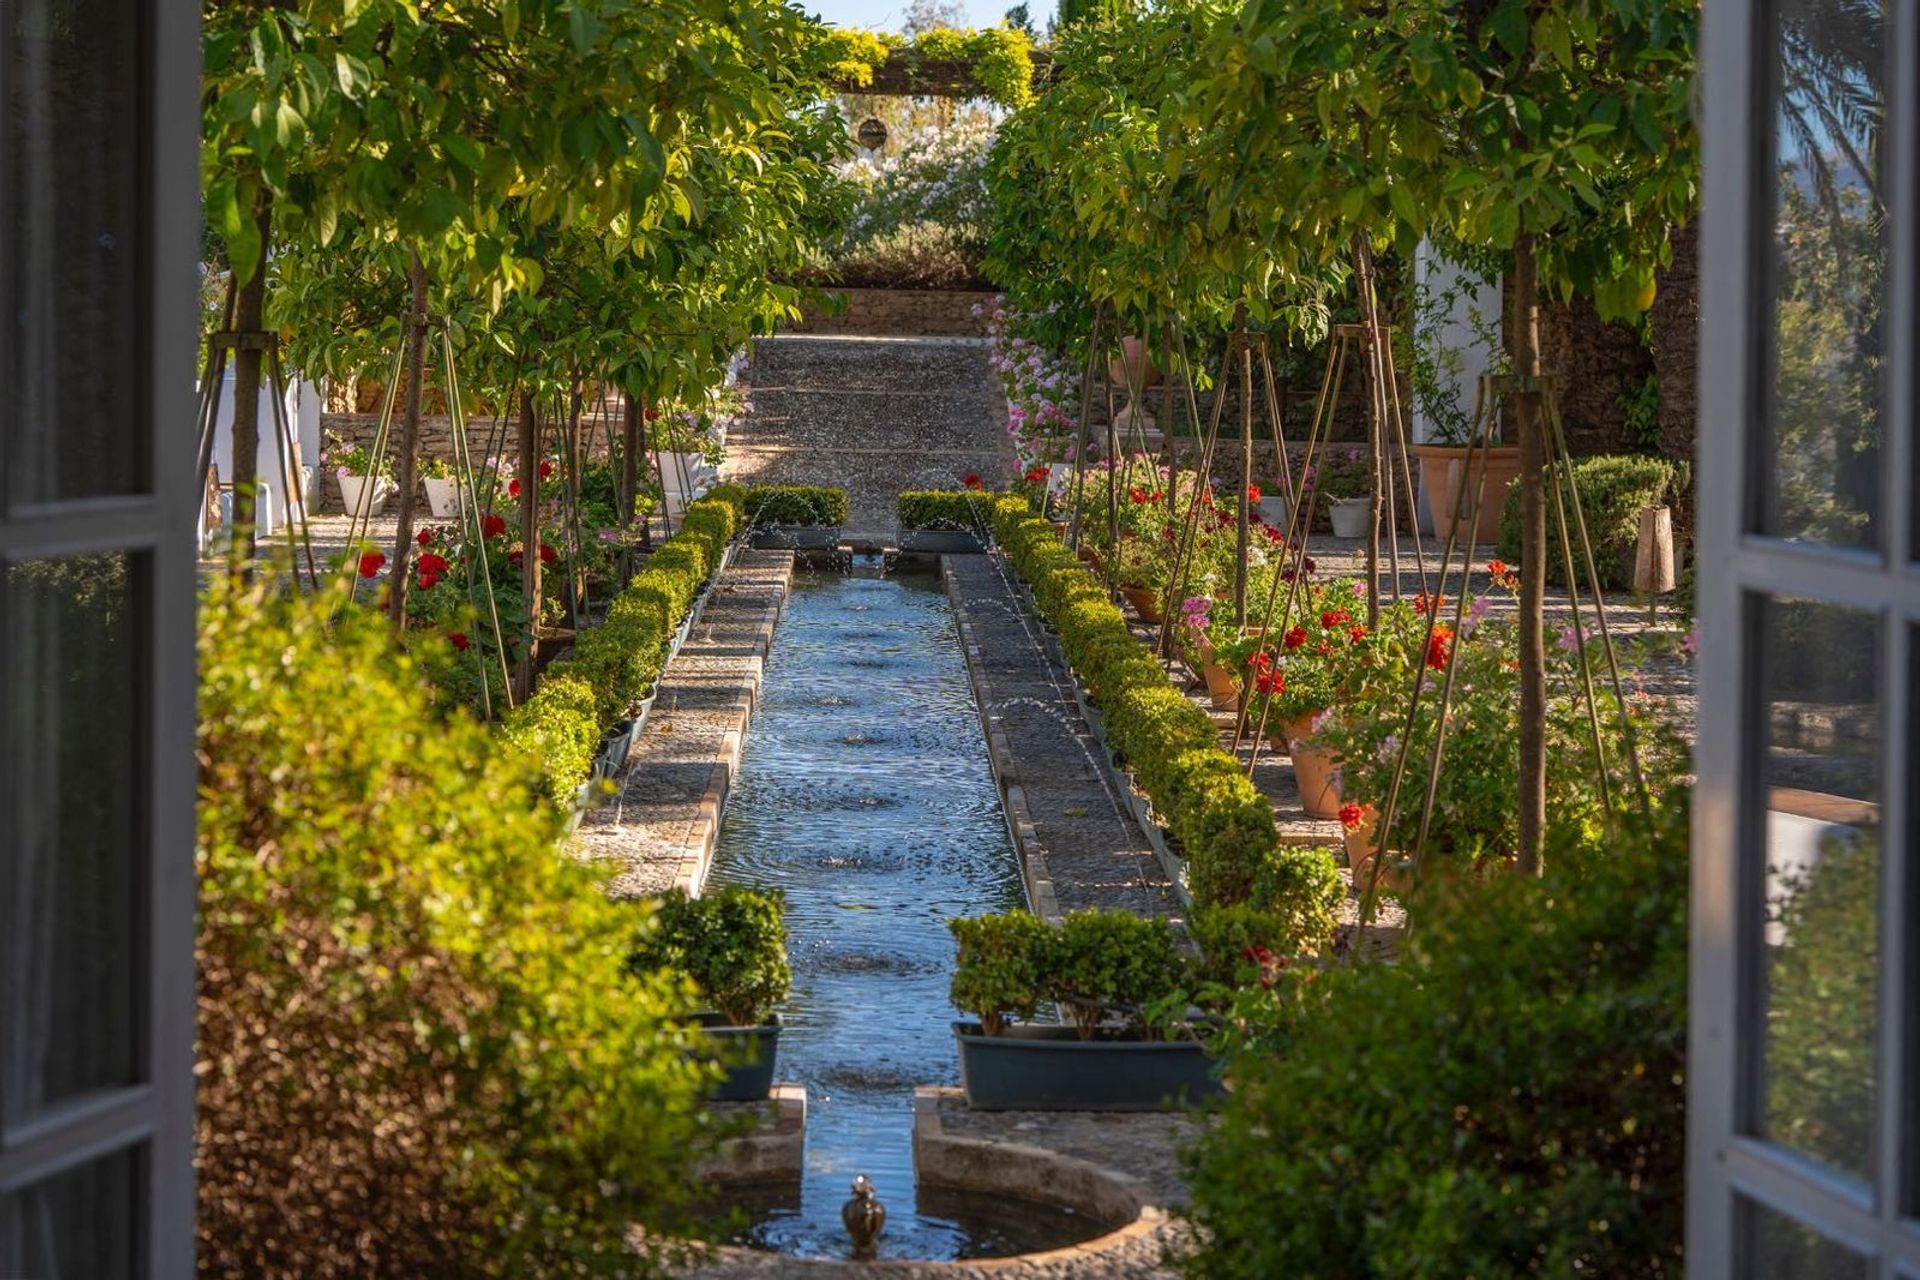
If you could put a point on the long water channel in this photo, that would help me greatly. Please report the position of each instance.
(866, 797)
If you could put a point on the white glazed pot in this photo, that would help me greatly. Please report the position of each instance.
(357, 489)
(443, 497)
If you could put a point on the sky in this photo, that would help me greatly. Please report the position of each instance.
(886, 14)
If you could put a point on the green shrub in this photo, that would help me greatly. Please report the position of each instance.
(419, 1048)
(964, 509)
(1113, 963)
(1506, 1100)
(1224, 826)
(1613, 489)
(1232, 939)
(793, 504)
(615, 664)
(1002, 966)
(559, 726)
(732, 944)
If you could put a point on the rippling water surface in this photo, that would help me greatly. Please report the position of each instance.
(866, 797)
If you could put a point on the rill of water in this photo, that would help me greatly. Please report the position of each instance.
(866, 797)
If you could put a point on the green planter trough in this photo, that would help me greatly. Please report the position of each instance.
(1049, 1068)
(747, 1053)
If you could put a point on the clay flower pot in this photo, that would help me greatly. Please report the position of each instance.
(1146, 602)
(1440, 475)
(1223, 687)
(1134, 366)
(1313, 769)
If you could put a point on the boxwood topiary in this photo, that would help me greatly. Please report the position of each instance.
(1107, 963)
(793, 504)
(962, 509)
(731, 942)
(1613, 489)
(1002, 966)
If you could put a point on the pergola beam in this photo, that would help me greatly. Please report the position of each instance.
(906, 74)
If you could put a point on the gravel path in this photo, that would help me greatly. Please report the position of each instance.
(873, 416)
(1093, 852)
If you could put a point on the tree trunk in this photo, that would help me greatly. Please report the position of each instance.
(248, 358)
(407, 480)
(1246, 477)
(1525, 341)
(529, 477)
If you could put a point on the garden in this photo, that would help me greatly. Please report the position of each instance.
(1400, 758)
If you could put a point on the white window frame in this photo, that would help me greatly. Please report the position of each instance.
(156, 1116)
(1726, 1164)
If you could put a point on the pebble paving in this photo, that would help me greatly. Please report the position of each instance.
(1093, 850)
(873, 416)
(658, 830)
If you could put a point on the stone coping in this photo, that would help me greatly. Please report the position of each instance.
(773, 1150)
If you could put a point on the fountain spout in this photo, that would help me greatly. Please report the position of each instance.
(865, 1217)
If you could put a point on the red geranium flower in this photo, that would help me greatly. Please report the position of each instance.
(650, 414)
(1439, 647)
(1271, 682)
(547, 554)
(370, 563)
(1331, 618)
(513, 488)
(1356, 634)
(431, 563)
(972, 480)
(1296, 637)
(1498, 568)
(1350, 816)
(1253, 494)
(546, 469)
(424, 537)
(493, 526)
(459, 640)
(428, 581)
(1038, 474)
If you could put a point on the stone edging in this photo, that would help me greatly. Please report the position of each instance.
(1029, 1173)
(1013, 800)
(696, 852)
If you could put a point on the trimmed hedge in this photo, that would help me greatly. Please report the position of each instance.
(796, 504)
(959, 509)
(1613, 488)
(615, 664)
(1221, 820)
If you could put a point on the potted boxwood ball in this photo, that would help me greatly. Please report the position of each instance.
(1107, 971)
(732, 944)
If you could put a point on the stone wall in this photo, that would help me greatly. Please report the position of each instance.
(903, 313)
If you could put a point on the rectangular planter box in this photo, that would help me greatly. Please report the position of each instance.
(1049, 1068)
(945, 542)
(794, 537)
(747, 1053)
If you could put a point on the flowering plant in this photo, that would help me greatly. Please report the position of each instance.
(347, 458)
(1324, 653)
(1342, 474)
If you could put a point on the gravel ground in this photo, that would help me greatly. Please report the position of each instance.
(874, 416)
(1093, 848)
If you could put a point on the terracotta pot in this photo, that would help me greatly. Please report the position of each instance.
(1133, 365)
(1145, 602)
(1223, 686)
(1313, 769)
(1440, 474)
(1087, 554)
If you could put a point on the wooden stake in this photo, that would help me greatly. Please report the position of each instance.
(409, 437)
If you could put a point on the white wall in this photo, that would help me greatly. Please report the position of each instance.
(303, 412)
(1452, 330)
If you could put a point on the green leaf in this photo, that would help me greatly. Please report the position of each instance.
(1509, 24)
(584, 26)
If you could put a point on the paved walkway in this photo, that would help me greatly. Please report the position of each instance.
(1080, 843)
(658, 831)
(873, 416)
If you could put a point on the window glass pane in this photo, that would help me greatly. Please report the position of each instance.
(77, 1225)
(1828, 274)
(1820, 834)
(1778, 1248)
(70, 350)
(68, 928)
